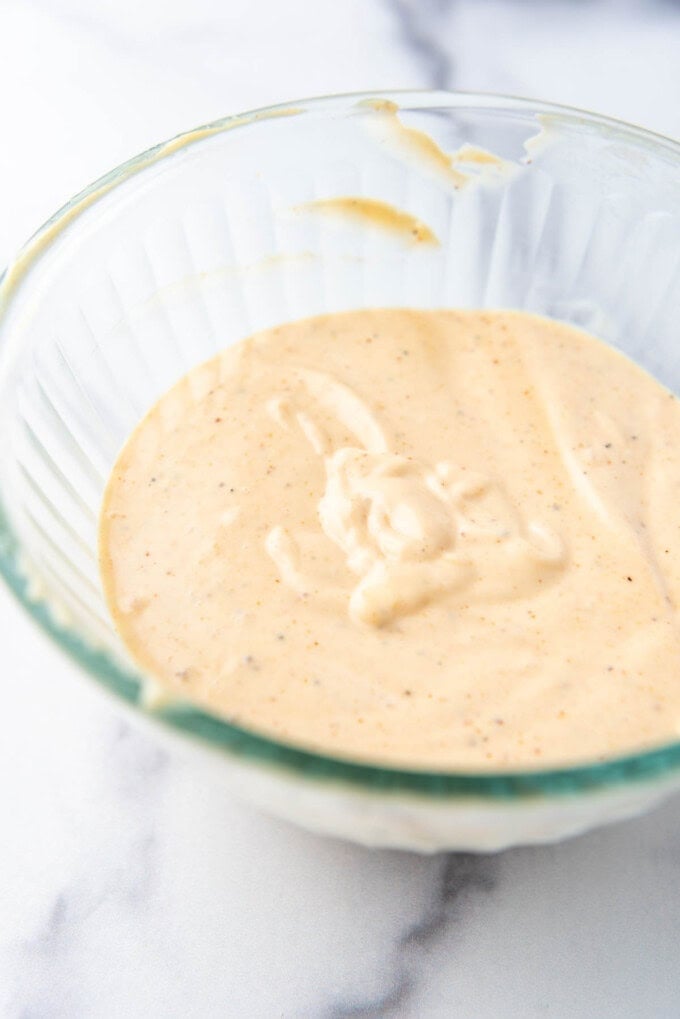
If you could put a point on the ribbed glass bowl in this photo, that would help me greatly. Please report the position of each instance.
(201, 241)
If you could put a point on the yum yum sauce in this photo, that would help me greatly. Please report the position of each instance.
(436, 539)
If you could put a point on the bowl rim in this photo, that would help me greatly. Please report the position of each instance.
(241, 742)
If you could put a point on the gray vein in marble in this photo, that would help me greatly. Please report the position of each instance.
(462, 874)
(139, 760)
(43, 958)
(420, 27)
(46, 964)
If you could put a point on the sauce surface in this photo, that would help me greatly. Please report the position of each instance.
(436, 539)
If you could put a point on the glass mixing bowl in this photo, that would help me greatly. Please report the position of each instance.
(201, 241)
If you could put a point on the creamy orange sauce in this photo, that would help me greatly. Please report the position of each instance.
(432, 538)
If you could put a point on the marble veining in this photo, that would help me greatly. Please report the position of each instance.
(131, 887)
(460, 875)
(47, 961)
(420, 24)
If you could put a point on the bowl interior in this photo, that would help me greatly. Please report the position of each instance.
(208, 239)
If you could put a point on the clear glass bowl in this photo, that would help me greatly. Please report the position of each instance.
(201, 241)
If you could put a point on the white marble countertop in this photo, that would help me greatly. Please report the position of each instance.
(127, 889)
